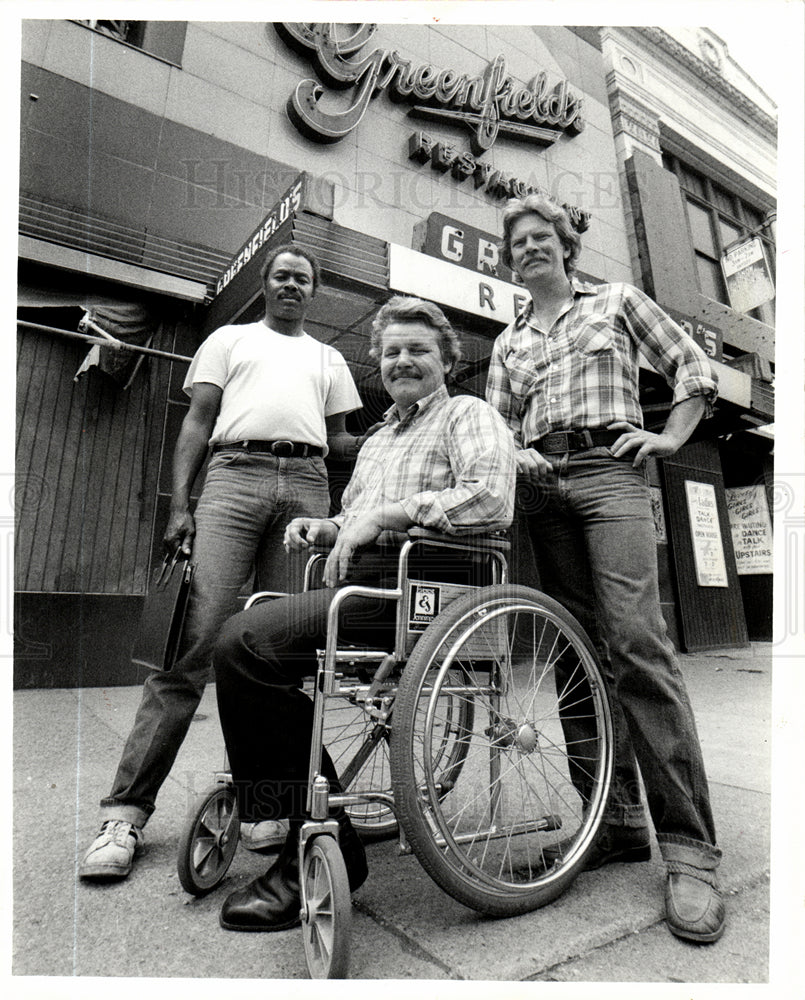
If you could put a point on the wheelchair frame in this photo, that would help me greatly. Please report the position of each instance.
(473, 855)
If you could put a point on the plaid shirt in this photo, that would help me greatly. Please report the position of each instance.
(448, 460)
(584, 371)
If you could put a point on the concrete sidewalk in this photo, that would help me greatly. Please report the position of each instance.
(608, 927)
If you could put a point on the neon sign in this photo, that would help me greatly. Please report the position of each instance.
(489, 105)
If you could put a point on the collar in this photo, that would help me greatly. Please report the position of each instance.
(392, 415)
(577, 287)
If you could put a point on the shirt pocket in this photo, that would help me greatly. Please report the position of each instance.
(523, 368)
(594, 336)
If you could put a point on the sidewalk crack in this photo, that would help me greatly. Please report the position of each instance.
(409, 945)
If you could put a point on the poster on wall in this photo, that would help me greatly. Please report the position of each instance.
(708, 548)
(750, 521)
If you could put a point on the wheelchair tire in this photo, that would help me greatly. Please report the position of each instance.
(209, 840)
(327, 917)
(535, 757)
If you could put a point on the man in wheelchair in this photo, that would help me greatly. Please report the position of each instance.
(440, 462)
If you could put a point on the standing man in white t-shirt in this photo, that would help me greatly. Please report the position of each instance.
(270, 401)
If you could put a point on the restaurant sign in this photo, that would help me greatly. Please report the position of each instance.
(417, 274)
(454, 241)
(489, 105)
(240, 285)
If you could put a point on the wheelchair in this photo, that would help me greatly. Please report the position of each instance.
(482, 740)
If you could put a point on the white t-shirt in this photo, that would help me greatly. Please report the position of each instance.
(275, 387)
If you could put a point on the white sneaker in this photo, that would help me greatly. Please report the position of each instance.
(112, 852)
(268, 833)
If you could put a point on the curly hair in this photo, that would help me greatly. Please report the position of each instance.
(407, 309)
(549, 210)
(308, 255)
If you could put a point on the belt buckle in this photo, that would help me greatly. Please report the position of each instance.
(283, 449)
(586, 438)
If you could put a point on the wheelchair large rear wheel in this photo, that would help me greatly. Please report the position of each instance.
(209, 840)
(536, 754)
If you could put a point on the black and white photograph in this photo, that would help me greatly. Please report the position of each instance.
(405, 526)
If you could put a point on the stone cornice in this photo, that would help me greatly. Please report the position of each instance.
(635, 119)
(706, 72)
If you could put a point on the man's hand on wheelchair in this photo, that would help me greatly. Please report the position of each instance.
(356, 533)
(359, 531)
(304, 532)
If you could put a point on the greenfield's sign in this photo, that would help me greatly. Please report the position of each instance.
(489, 105)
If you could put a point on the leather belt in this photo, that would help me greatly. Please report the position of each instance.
(560, 442)
(282, 449)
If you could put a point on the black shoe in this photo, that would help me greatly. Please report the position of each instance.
(269, 903)
(352, 851)
(623, 844)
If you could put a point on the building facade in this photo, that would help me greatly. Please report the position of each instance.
(161, 160)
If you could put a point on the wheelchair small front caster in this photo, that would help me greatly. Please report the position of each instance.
(209, 840)
(326, 909)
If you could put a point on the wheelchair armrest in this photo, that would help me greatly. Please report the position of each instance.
(263, 595)
(494, 541)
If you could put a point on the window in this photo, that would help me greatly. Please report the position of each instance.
(164, 39)
(718, 218)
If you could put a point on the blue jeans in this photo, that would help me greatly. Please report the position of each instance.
(592, 530)
(240, 518)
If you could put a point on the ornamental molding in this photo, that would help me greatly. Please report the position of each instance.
(636, 120)
(713, 78)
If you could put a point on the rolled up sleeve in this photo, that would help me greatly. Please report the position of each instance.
(674, 354)
(482, 459)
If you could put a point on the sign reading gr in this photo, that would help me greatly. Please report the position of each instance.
(448, 239)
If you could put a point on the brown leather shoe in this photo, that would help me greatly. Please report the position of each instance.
(694, 907)
(623, 844)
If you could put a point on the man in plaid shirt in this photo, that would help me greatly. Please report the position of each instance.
(565, 377)
(439, 461)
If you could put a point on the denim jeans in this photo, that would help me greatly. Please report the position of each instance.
(240, 518)
(592, 530)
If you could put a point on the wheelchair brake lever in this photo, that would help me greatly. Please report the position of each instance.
(382, 672)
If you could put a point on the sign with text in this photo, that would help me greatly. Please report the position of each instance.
(708, 548)
(489, 104)
(709, 338)
(748, 510)
(281, 214)
(748, 275)
(240, 286)
(459, 288)
(454, 241)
